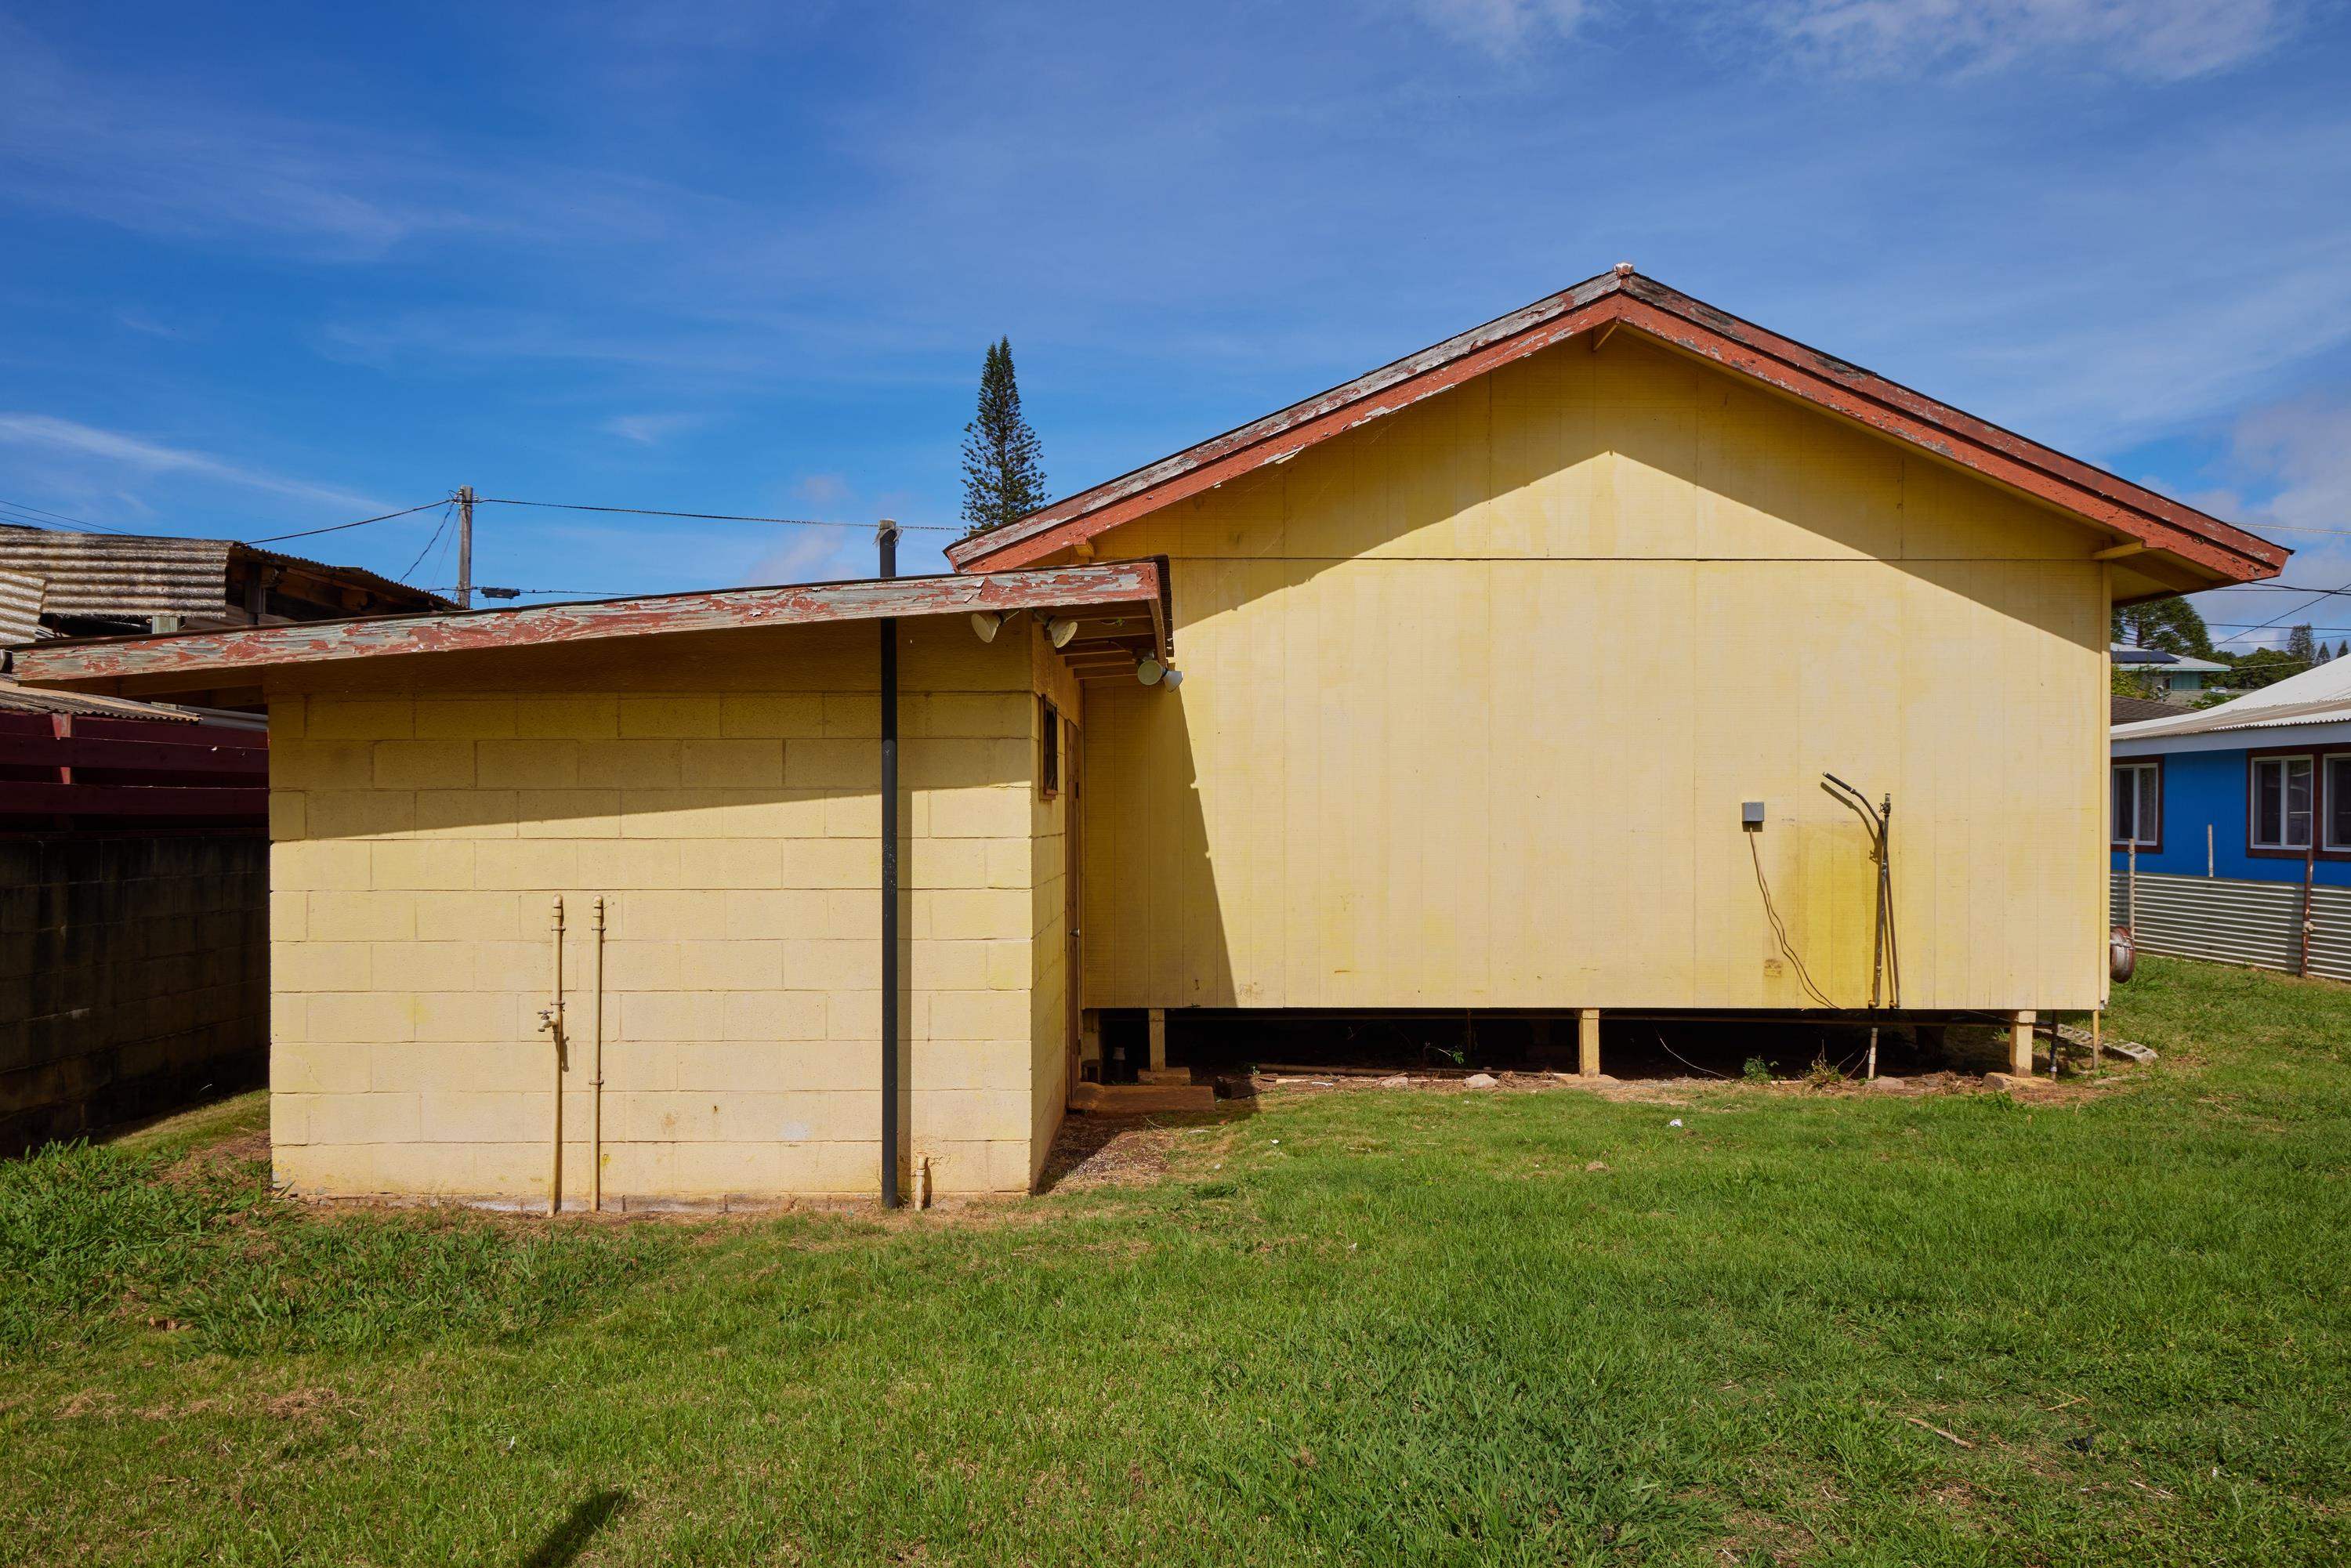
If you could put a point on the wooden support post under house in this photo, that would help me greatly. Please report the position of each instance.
(1587, 1042)
(2097, 1025)
(2019, 1042)
(1158, 1040)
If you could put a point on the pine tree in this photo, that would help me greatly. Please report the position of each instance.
(2302, 647)
(1003, 477)
(2171, 625)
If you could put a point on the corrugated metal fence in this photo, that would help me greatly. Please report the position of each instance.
(2256, 922)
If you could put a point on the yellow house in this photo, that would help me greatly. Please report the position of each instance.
(1505, 678)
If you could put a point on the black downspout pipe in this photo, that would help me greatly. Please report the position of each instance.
(887, 537)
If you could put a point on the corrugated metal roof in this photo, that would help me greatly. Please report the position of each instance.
(2319, 695)
(104, 576)
(14, 698)
(20, 606)
(108, 575)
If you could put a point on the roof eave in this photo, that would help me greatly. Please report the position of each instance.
(198, 661)
(2188, 544)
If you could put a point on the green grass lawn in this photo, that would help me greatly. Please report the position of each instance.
(1368, 1326)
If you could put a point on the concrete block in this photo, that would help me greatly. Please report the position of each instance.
(568, 717)
(613, 865)
(369, 917)
(730, 862)
(568, 814)
(670, 715)
(631, 764)
(363, 1018)
(773, 1016)
(465, 719)
(469, 916)
(731, 965)
(318, 966)
(750, 762)
(527, 865)
(417, 865)
(528, 764)
(467, 813)
(360, 813)
(425, 764)
(990, 812)
(323, 765)
(334, 718)
(832, 763)
(773, 715)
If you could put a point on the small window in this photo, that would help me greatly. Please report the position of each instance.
(2281, 804)
(2138, 804)
(2338, 801)
(1048, 757)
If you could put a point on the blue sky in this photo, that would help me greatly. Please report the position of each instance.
(272, 266)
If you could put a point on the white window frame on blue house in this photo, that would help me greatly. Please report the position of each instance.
(2141, 779)
(2270, 781)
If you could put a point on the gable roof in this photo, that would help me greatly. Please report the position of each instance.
(2212, 550)
(2320, 695)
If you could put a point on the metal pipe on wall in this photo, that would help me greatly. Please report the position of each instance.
(550, 1019)
(596, 1075)
(886, 537)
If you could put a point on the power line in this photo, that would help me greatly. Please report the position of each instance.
(435, 540)
(710, 517)
(34, 516)
(2265, 625)
(339, 528)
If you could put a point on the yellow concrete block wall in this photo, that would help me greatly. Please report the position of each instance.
(720, 795)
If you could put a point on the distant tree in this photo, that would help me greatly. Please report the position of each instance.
(1003, 473)
(2323, 655)
(2262, 667)
(2302, 647)
(2127, 681)
(2171, 625)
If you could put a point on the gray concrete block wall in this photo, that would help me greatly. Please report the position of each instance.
(133, 976)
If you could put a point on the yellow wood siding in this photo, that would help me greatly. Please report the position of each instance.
(1473, 696)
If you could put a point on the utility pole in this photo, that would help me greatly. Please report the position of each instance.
(464, 547)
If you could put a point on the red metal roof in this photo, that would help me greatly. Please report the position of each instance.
(1624, 300)
(190, 661)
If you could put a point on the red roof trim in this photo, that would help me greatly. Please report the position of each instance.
(194, 659)
(1650, 307)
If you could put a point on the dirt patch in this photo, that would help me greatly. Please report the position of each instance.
(1091, 1151)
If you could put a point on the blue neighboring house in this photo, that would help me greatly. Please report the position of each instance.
(2232, 828)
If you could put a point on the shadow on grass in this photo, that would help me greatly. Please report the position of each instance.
(1096, 1150)
(568, 1540)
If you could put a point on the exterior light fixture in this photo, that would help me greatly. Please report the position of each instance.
(1061, 630)
(987, 623)
(1174, 678)
(1149, 670)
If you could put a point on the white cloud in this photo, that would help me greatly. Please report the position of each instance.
(2159, 40)
(63, 437)
(1503, 28)
(2299, 453)
(150, 157)
(813, 555)
(649, 429)
(823, 489)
